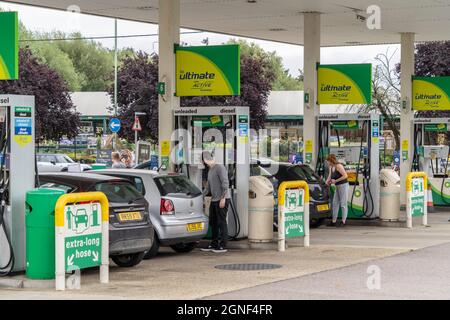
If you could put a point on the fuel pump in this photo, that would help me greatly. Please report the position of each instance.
(17, 176)
(354, 139)
(431, 155)
(224, 131)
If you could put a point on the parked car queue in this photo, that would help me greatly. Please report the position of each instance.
(149, 210)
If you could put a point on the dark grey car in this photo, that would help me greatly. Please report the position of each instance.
(130, 228)
(320, 200)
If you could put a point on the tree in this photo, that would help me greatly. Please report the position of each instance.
(137, 84)
(85, 65)
(273, 63)
(48, 53)
(92, 61)
(137, 81)
(386, 94)
(433, 60)
(256, 83)
(55, 114)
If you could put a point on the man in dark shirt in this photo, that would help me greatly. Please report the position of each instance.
(218, 186)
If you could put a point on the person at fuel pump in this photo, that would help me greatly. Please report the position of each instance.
(218, 186)
(116, 162)
(338, 177)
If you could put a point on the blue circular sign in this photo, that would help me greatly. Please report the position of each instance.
(114, 125)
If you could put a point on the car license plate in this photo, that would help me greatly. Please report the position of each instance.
(130, 216)
(323, 207)
(193, 227)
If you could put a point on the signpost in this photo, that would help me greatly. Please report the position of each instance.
(136, 128)
(81, 235)
(104, 157)
(114, 125)
(143, 151)
(293, 212)
(416, 197)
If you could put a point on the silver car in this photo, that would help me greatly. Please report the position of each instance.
(176, 208)
(59, 163)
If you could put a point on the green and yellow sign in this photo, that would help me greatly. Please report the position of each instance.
(208, 71)
(436, 127)
(9, 48)
(431, 93)
(344, 84)
(352, 124)
(208, 121)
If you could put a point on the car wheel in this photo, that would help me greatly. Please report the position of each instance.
(153, 250)
(315, 223)
(128, 260)
(184, 247)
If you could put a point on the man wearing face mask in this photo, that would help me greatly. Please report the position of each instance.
(218, 186)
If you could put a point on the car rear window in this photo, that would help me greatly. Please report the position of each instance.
(176, 185)
(53, 185)
(309, 173)
(118, 192)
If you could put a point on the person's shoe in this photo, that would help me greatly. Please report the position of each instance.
(219, 249)
(331, 224)
(209, 248)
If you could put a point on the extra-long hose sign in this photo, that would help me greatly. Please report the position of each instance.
(9, 48)
(208, 71)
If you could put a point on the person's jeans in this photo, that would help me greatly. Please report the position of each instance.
(218, 223)
(340, 201)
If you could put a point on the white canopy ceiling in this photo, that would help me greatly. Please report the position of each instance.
(282, 20)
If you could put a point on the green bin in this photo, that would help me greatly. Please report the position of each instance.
(98, 166)
(40, 232)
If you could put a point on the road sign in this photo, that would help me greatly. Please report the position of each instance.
(82, 234)
(137, 124)
(114, 125)
(293, 210)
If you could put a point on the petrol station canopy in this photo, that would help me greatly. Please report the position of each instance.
(282, 20)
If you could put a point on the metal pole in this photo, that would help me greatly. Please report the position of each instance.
(115, 80)
(135, 144)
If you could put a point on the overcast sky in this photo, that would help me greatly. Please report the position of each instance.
(37, 19)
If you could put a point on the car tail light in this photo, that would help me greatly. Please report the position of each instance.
(167, 207)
